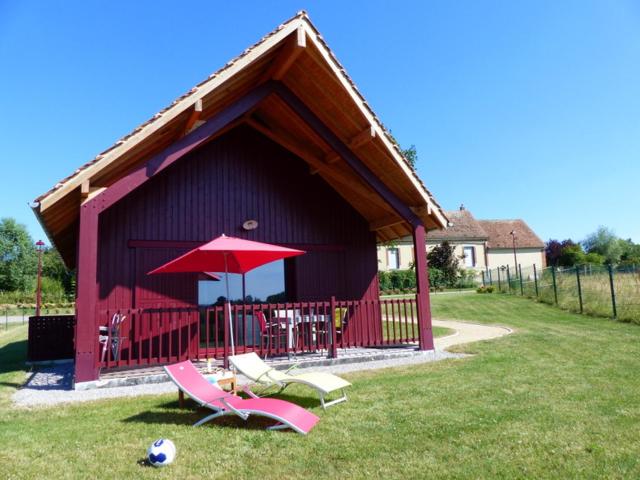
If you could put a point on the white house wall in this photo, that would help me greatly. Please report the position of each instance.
(498, 257)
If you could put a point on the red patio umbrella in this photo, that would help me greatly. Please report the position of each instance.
(228, 255)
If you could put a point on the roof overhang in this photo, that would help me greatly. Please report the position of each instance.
(296, 57)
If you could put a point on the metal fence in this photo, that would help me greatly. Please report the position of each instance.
(601, 290)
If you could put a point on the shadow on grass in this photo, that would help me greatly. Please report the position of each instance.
(13, 356)
(188, 418)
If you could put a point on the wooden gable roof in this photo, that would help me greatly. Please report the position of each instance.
(295, 55)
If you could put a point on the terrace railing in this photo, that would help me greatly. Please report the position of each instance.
(152, 336)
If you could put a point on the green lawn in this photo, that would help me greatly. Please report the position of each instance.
(558, 399)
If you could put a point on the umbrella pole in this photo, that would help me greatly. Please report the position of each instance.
(226, 280)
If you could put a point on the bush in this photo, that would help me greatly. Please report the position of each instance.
(397, 280)
(467, 278)
(485, 289)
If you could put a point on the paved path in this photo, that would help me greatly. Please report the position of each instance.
(467, 332)
(50, 386)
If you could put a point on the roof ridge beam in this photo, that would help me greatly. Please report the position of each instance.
(290, 53)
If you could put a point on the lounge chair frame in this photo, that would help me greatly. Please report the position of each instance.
(243, 413)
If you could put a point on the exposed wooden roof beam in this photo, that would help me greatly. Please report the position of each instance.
(85, 189)
(385, 222)
(356, 142)
(317, 165)
(194, 116)
(290, 52)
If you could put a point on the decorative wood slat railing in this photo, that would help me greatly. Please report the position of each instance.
(151, 336)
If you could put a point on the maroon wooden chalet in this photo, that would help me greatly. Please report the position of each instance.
(280, 136)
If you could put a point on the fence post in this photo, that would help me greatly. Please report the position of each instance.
(490, 278)
(483, 282)
(579, 288)
(508, 279)
(334, 337)
(499, 282)
(535, 279)
(521, 286)
(613, 292)
(555, 287)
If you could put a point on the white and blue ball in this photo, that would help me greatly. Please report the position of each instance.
(161, 452)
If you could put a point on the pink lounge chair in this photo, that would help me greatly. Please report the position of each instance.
(191, 382)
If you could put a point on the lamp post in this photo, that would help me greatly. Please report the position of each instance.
(515, 257)
(40, 248)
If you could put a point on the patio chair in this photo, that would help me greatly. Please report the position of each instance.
(252, 366)
(274, 332)
(287, 415)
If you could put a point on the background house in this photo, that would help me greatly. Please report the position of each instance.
(479, 244)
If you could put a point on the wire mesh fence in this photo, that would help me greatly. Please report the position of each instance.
(601, 290)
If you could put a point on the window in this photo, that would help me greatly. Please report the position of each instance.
(261, 285)
(393, 258)
(469, 257)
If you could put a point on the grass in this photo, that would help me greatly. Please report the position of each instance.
(400, 330)
(558, 399)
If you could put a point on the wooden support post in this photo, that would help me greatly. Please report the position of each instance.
(425, 332)
(86, 359)
(334, 337)
(535, 279)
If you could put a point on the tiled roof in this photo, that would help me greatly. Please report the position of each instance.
(463, 226)
(499, 233)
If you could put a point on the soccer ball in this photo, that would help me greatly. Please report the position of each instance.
(161, 452)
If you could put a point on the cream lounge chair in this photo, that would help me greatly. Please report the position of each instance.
(252, 366)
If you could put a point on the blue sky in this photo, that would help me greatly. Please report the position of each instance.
(517, 109)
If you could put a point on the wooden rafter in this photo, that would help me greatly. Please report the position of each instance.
(194, 116)
(385, 222)
(317, 165)
(356, 142)
(299, 107)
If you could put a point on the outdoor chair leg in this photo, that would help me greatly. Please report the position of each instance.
(324, 404)
(208, 418)
(278, 426)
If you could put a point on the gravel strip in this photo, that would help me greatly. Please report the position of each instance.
(53, 385)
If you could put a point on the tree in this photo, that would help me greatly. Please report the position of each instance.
(604, 242)
(630, 253)
(571, 255)
(443, 258)
(53, 267)
(411, 154)
(553, 250)
(18, 259)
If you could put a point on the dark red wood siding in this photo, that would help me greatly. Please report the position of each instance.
(240, 176)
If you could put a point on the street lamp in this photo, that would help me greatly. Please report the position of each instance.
(39, 248)
(515, 257)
